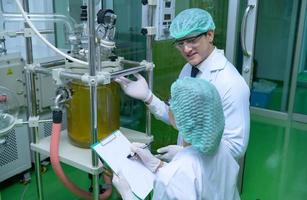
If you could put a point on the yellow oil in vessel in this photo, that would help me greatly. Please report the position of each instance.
(79, 116)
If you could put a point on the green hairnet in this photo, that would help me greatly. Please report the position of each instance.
(198, 113)
(191, 22)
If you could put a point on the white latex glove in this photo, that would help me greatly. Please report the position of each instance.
(150, 161)
(122, 186)
(136, 89)
(168, 153)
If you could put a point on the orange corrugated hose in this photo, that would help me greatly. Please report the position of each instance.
(55, 162)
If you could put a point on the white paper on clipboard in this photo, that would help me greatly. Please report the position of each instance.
(114, 150)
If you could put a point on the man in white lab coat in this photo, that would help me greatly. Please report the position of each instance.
(204, 169)
(193, 30)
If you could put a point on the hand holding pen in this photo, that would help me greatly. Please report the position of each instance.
(149, 160)
(138, 145)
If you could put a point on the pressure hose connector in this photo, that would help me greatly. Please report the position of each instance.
(62, 95)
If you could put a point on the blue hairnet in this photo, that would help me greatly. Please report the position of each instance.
(198, 113)
(191, 22)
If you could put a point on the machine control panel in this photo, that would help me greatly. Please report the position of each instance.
(165, 13)
(163, 16)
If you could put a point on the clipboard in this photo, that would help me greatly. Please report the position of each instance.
(114, 150)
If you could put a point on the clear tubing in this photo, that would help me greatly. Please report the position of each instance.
(68, 19)
(44, 40)
(69, 23)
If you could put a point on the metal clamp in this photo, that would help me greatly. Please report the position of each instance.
(28, 32)
(33, 121)
(149, 2)
(149, 30)
(31, 67)
(101, 77)
(104, 77)
(148, 65)
(85, 78)
(56, 75)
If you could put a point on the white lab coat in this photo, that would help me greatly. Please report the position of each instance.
(194, 176)
(234, 94)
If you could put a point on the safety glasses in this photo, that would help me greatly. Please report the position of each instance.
(190, 42)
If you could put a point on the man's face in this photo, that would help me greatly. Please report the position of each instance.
(196, 49)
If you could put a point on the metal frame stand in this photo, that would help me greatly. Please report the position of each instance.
(31, 97)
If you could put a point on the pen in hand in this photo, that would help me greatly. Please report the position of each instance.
(143, 147)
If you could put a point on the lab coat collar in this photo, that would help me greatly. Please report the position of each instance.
(215, 61)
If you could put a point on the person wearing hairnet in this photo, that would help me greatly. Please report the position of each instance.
(193, 30)
(204, 169)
